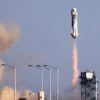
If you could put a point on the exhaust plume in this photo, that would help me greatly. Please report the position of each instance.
(75, 65)
(8, 36)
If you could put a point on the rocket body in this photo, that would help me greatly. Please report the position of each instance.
(74, 15)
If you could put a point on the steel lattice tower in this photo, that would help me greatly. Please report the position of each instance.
(88, 85)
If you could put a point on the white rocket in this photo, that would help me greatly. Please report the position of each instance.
(74, 15)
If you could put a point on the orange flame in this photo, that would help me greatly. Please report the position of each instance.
(75, 65)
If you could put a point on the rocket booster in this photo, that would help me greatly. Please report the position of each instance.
(74, 15)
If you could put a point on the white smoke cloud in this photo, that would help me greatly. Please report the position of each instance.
(8, 36)
(7, 93)
(28, 94)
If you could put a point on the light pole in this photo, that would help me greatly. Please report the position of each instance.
(49, 68)
(42, 82)
(41, 67)
(57, 75)
(42, 88)
(14, 77)
(57, 84)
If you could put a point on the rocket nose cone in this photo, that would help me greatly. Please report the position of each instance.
(74, 9)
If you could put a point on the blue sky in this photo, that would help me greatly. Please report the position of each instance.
(45, 38)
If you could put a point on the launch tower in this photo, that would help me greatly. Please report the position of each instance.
(88, 85)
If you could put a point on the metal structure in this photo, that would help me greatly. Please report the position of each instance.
(88, 86)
